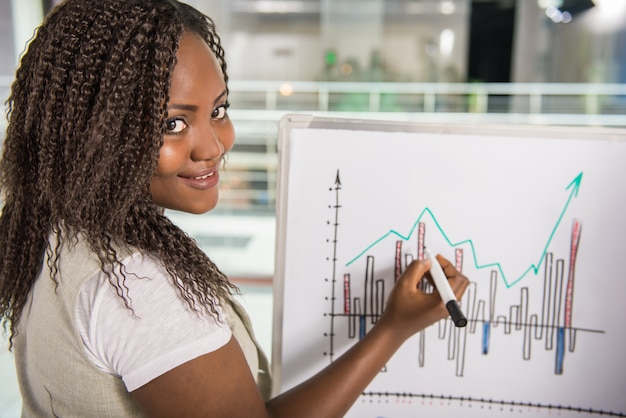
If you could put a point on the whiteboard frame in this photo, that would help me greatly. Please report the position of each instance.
(290, 122)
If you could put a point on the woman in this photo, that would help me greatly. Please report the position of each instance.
(119, 110)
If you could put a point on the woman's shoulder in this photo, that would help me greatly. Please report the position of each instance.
(150, 330)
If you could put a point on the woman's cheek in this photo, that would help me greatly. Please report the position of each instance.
(170, 159)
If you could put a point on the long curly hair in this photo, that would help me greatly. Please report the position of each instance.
(86, 117)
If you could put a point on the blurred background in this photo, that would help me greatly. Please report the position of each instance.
(540, 62)
(552, 62)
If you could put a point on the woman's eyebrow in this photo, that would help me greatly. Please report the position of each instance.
(220, 97)
(192, 108)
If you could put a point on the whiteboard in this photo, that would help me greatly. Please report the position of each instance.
(533, 216)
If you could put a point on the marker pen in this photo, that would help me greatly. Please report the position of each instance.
(445, 291)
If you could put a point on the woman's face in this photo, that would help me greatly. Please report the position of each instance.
(198, 132)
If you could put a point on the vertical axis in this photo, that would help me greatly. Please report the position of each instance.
(336, 207)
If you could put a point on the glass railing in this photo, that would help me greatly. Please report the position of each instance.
(408, 98)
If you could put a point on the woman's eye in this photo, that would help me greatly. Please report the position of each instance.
(220, 111)
(174, 126)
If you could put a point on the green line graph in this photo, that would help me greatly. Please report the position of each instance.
(573, 186)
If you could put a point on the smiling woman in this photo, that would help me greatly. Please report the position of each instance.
(198, 131)
(118, 112)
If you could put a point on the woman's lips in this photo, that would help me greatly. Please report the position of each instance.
(202, 181)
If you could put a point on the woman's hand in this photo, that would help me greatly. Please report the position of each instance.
(409, 309)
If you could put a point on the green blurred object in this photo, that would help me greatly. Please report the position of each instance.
(330, 58)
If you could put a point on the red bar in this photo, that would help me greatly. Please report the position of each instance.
(346, 293)
(569, 295)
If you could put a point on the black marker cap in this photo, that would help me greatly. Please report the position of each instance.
(455, 312)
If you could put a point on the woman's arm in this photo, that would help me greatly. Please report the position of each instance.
(333, 391)
(220, 384)
(217, 384)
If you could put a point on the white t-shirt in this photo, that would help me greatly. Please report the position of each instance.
(160, 333)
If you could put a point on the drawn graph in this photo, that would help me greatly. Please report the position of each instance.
(549, 325)
(537, 245)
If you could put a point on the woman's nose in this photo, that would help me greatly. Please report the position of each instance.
(206, 145)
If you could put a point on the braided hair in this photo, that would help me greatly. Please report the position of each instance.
(86, 117)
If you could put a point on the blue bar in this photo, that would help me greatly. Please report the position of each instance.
(560, 350)
(486, 333)
(361, 327)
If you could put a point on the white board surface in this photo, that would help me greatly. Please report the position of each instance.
(535, 217)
